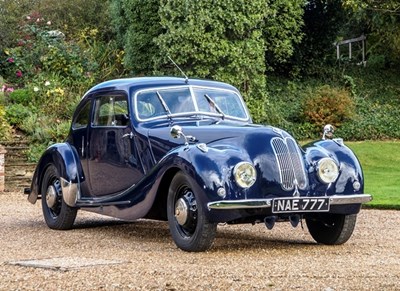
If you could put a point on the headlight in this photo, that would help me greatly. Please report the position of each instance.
(327, 170)
(245, 174)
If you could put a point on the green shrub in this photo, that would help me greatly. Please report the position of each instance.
(5, 128)
(328, 105)
(35, 151)
(21, 96)
(16, 113)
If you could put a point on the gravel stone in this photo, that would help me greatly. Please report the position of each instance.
(243, 257)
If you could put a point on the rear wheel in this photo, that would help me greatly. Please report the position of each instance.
(57, 214)
(189, 227)
(331, 229)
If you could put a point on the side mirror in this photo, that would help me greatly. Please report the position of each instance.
(328, 131)
(176, 131)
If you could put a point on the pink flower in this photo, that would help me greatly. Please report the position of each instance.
(10, 89)
(18, 74)
(10, 60)
(3, 88)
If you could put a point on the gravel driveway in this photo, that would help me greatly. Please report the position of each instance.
(102, 253)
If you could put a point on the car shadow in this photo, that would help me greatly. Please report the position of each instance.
(227, 238)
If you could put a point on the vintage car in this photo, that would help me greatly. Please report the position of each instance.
(186, 151)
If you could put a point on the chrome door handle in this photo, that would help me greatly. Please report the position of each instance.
(130, 135)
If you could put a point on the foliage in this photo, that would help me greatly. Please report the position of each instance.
(137, 24)
(374, 93)
(21, 96)
(55, 73)
(207, 42)
(5, 128)
(228, 41)
(11, 13)
(282, 30)
(323, 20)
(328, 105)
(380, 20)
(16, 113)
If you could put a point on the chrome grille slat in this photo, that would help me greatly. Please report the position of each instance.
(290, 163)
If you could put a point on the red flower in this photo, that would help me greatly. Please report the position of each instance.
(19, 74)
(10, 60)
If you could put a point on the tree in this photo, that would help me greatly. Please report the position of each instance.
(222, 40)
(380, 20)
(137, 24)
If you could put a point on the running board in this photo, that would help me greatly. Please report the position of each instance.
(100, 204)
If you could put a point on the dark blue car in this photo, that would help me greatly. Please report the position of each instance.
(186, 151)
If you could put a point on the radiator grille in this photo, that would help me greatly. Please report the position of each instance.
(290, 163)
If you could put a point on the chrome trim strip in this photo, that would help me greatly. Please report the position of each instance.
(267, 203)
(350, 199)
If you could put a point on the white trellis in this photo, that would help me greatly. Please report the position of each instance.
(361, 38)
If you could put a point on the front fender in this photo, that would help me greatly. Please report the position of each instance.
(350, 170)
(208, 170)
(65, 158)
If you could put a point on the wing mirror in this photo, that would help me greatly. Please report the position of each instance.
(177, 132)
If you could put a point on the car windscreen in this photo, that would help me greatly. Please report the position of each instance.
(228, 102)
(153, 103)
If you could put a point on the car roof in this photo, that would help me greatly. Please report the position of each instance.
(137, 83)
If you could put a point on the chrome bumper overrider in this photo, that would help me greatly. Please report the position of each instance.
(267, 203)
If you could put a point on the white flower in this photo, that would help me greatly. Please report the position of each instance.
(47, 83)
(35, 89)
(28, 18)
(48, 22)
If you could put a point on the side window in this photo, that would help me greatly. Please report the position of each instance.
(111, 110)
(83, 117)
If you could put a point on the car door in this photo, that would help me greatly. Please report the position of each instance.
(113, 162)
(78, 138)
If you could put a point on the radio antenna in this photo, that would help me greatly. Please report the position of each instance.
(186, 77)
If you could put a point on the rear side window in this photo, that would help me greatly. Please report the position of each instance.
(83, 117)
(111, 111)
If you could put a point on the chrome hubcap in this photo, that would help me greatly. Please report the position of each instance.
(51, 196)
(181, 211)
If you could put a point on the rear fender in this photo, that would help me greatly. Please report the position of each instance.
(66, 160)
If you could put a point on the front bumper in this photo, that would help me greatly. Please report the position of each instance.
(267, 203)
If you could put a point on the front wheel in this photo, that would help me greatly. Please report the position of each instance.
(189, 227)
(331, 229)
(57, 214)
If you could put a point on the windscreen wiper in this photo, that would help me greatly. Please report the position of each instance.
(164, 105)
(214, 105)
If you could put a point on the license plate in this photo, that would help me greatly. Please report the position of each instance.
(288, 205)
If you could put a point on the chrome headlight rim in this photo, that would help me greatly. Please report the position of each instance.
(245, 174)
(327, 170)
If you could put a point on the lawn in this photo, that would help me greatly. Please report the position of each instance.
(381, 165)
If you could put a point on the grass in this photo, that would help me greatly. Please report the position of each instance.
(380, 161)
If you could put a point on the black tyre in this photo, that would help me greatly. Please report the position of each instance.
(331, 229)
(189, 227)
(57, 214)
